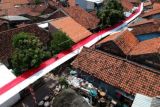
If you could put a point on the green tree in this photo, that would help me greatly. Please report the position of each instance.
(37, 1)
(60, 41)
(110, 13)
(28, 52)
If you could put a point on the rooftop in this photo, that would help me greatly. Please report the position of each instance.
(147, 3)
(121, 73)
(147, 47)
(73, 29)
(156, 5)
(82, 17)
(126, 4)
(151, 12)
(10, 8)
(146, 27)
(134, 1)
(125, 40)
(144, 22)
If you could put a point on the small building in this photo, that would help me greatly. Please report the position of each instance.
(74, 30)
(153, 13)
(119, 43)
(148, 5)
(147, 52)
(121, 78)
(7, 76)
(127, 45)
(146, 29)
(156, 5)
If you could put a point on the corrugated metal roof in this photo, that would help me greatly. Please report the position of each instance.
(142, 101)
(14, 18)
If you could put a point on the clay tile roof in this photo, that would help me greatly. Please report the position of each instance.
(134, 1)
(10, 9)
(151, 12)
(20, 1)
(146, 47)
(73, 29)
(121, 73)
(156, 5)
(147, 3)
(151, 26)
(144, 22)
(126, 5)
(7, 4)
(72, 2)
(6, 39)
(125, 40)
(82, 17)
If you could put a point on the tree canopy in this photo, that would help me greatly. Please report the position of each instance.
(28, 52)
(60, 41)
(110, 13)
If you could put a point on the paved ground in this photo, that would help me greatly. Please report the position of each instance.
(40, 93)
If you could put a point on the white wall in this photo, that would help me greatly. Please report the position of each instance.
(7, 76)
(11, 101)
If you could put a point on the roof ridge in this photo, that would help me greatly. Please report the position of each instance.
(17, 28)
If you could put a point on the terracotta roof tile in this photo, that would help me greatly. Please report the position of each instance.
(33, 10)
(6, 39)
(147, 3)
(126, 4)
(128, 76)
(82, 17)
(73, 29)
(145, 28)
(134, 1)
(20, 1)
(156, 5)
(72, 2)
(125, 40)
(147, 47)
(151, 12)
(144, 22)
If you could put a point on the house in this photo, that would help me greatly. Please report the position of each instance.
(6, 48)
(146, 29)
(74, 30)
(153, 13)
(127, 6)
(156, 5)
(126, 44)
(147, 5)
(146, 101)
(82, 17)
(147, 52)
(118, 74)
(119, 43)
(21, 7)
